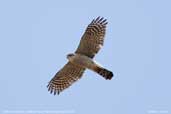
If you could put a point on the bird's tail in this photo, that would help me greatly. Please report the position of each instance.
(104, 72)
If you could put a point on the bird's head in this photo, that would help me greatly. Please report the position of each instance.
(70, 55)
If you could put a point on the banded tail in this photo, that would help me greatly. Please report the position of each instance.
(104, 72)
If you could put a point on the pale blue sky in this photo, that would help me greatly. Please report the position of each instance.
(36, 35)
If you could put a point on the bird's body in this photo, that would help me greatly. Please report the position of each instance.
(87, 62)
(81, 61)
(91, 42)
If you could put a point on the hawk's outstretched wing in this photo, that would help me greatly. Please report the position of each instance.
(93, 38)
(65, 78)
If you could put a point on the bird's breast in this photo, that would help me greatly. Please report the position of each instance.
(83, 61)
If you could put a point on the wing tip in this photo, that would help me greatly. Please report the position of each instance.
(100, 20)
(53, 90)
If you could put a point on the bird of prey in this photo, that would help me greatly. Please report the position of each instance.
(91, 42)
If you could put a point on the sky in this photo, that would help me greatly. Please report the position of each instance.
(36, 36)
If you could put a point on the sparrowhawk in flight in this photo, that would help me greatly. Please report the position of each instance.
(91, 42)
